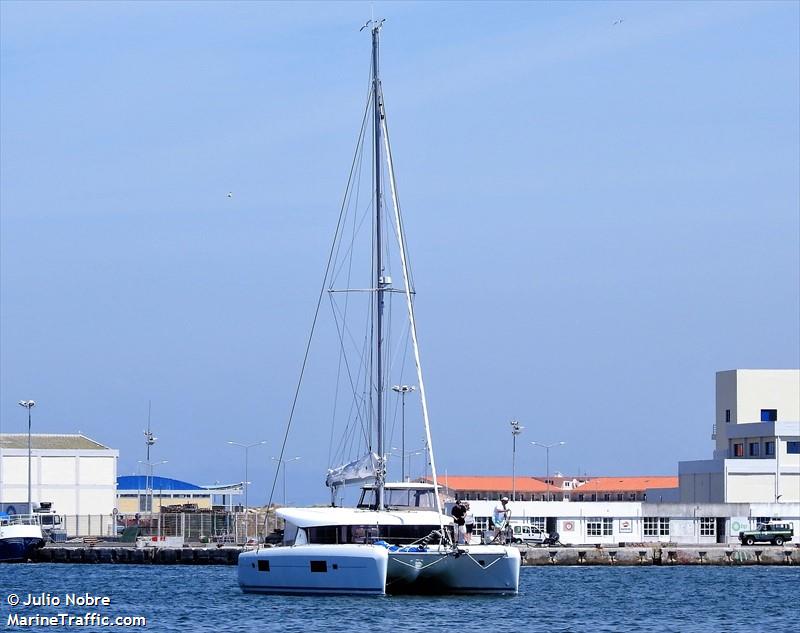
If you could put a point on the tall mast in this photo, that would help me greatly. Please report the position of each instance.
(380, 281)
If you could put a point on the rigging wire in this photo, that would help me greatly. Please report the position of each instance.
(314, 320)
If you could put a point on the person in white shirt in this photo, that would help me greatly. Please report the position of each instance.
(469, 523)
(501, 516)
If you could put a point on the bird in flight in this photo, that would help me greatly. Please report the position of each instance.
(230, 194)
(620, 21)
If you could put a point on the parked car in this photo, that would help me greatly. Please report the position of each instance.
(528, 534)
(774, 532)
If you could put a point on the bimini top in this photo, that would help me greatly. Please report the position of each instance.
(317, 517)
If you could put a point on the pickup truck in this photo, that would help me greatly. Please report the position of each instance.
(773, 532)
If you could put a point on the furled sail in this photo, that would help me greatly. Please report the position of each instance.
(362, 469)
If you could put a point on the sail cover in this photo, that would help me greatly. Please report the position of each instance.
(361, 469)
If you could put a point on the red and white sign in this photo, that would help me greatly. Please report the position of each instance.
(568, 526)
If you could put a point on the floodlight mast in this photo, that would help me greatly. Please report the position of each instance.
(29, 404)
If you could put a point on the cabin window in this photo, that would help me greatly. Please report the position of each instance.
(263, 565)
(319, 566)
(326, 535)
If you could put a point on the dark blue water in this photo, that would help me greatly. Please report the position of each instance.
(597, 599)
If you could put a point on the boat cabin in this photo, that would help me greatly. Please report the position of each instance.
(399, 495)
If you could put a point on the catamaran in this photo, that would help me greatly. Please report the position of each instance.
(397, 539)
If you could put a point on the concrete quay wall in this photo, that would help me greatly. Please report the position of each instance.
(643, 556)
(536, 557)
(139, 556)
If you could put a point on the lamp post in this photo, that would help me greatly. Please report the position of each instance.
(149, 484)
(403, 390)
(409, 454)
(246, 448)
(282, 462)
(516, 429)
(29, 404)
(547, 448)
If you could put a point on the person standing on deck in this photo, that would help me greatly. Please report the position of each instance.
(458, 513)
(502, 514)
(469, 523)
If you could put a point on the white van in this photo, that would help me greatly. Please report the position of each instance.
(526, 533)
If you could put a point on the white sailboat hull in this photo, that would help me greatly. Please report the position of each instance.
(374, 570)
(315, 569)
(475, 569)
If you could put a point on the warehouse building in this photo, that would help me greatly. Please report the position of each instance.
(77, 474)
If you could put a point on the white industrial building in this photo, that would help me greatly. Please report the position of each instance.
(754, 476)
(633, 522)
(75, 473)
(757, 432)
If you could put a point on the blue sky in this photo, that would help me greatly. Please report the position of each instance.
(601, 216)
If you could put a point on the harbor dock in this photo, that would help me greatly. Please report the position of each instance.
(628, 556)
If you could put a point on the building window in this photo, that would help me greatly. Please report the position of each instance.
(632, 496)
(769, 448)
(656, 526)
(753, 449)
(651, 526)
(538, 522)
(580, 496)
(769, 415)
(738, 450)
(793, 448)
(620, 496)
(727, 415)
(599, 527)
(708, 526)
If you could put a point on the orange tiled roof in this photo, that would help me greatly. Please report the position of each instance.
(480, 483)
(627, 484)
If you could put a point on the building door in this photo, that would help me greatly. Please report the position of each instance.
(722, 530)
(550, 525)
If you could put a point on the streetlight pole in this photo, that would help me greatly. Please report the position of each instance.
(409, 455)
(403, 390)
(149, 489)
(246, 448)
(516, 429)
(547, 448)
(29, 404)
(282, 462)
